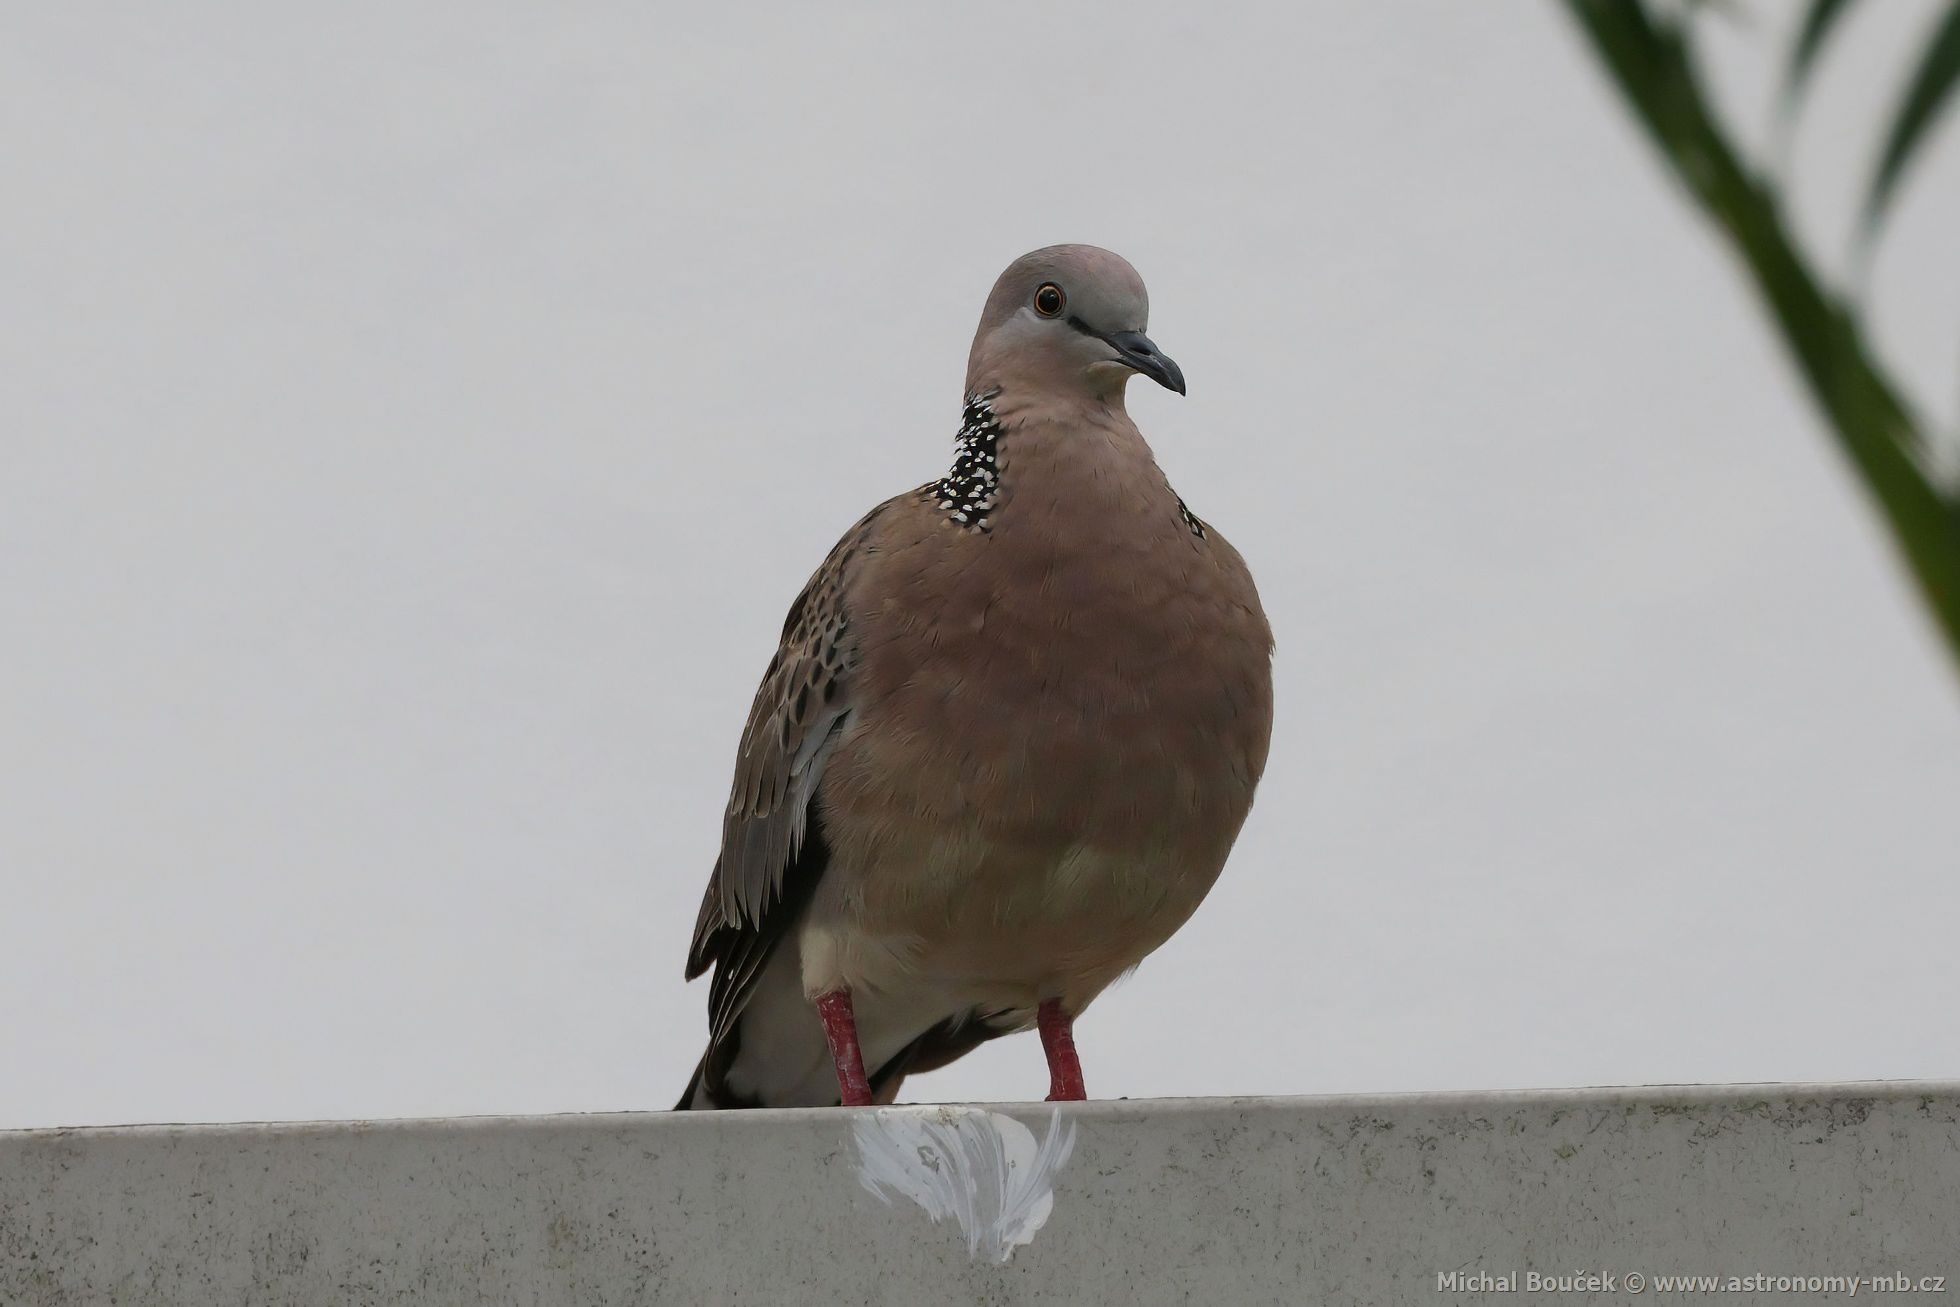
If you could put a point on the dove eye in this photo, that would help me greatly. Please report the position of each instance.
(1048, 301)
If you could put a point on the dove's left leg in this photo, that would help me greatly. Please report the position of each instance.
(1058, 1042)
(840, 1032)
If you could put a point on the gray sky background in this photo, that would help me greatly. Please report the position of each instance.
(416, 420)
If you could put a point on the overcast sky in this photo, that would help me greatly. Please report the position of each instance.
(416, 420)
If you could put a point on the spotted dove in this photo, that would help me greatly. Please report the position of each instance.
(1011, 731)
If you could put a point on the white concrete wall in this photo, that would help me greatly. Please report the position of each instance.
(1315, 1200)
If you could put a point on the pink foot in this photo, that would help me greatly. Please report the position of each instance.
(840, 1031)
(1058, 1041)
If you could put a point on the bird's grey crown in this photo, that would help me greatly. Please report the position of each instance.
(968, 491)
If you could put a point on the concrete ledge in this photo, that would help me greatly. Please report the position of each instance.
(1302, 1200)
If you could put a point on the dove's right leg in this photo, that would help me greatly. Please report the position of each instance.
(1058, 1042)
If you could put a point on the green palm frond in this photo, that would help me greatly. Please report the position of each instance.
(1818, 23)
(1938, 73)
(1650, 59)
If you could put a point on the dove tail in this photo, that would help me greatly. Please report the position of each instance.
(691, 1096)
(701, 1096)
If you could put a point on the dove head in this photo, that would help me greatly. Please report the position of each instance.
(1070, 319)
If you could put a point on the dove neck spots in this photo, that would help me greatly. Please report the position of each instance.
(1190, 518)
(969, 491)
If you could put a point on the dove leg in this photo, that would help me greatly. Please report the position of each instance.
(1058, 1042)
(840, 1032)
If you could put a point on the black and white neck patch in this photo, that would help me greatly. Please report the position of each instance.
(969, 491)
(1190, 518)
